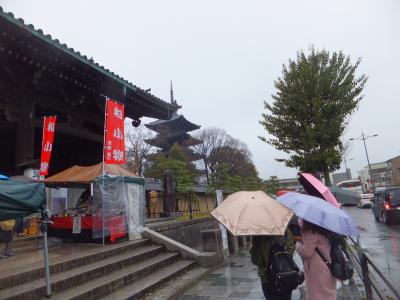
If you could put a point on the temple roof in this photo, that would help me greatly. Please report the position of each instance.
(177, 123)
(34, 48)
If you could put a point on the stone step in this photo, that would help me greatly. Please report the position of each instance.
(63, 280)
(158, 220)
(13, 277)
(17, 241)
(118, 280)
(139, 288)
(27, 246)
(176, 287)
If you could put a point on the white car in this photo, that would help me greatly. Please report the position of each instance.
(365, 200)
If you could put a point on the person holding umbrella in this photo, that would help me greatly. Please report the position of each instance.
(320, 284)
(320, 220)
(258, 215)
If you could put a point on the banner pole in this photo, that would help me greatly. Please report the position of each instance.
(45, 221)
(104, 145)
(104, 130)
(43, 227)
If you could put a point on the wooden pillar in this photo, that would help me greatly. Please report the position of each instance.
(242, 242)
(233, 244)
(25, 135)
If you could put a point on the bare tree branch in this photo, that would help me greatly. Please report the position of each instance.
(220, 147)
(136, 147)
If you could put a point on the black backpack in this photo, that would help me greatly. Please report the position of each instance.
(341, 266)
(283, 272)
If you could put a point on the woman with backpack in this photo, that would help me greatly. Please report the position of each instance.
(260, 251)
(320, 284)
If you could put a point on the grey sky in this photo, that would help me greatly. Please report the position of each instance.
(223, 56)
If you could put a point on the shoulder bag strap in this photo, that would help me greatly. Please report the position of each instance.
(322, 256)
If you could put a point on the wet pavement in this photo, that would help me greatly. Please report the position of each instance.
(381, 242)
(237, 279)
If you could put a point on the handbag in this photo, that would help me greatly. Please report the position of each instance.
(7, 225)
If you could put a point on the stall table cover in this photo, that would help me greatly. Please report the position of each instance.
(116, 225)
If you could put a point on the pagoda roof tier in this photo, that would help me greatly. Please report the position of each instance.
(177, 123)
(166, 141)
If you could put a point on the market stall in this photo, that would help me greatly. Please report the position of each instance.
(87, 206)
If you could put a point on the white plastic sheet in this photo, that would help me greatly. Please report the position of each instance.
(116, 196)
(135, 210)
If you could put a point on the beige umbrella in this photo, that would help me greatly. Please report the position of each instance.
(253, 213)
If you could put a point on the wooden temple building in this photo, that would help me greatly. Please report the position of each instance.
(40, 76)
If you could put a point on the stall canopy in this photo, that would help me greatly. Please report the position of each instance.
(81, 174)
(19, 199)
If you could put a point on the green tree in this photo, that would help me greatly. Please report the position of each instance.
(222, 180)
(315, 97)
(183, 170)
(235, 184)
(252, 184)
(272, 185)
(182, 176)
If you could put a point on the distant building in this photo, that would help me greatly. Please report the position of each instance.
(338, 177)
(379, 176)
(290, 184)
(393, 171)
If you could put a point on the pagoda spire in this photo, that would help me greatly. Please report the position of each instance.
(172, 94)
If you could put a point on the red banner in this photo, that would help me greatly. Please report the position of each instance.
(49, 126)
(114, 147)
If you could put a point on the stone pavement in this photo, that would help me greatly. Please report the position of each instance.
(237, 279)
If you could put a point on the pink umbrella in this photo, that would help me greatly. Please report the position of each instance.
(315, 187)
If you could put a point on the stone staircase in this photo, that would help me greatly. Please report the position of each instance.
(126, 270)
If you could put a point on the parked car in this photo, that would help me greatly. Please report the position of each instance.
(386, 205)
(365, 200)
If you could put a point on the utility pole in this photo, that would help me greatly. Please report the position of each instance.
(369, 165)
(345, 165)
(364, 137)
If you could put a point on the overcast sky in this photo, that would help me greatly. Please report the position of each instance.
(223, 57)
